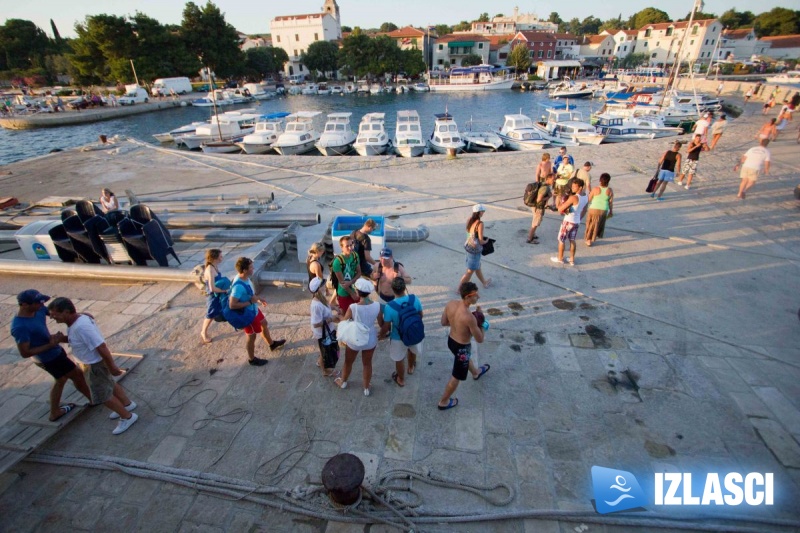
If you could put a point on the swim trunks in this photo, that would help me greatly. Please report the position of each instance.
(461, 356)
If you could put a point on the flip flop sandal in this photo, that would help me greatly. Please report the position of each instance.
(396, 379)
(66, 408)
(484, 369)
(452, 403)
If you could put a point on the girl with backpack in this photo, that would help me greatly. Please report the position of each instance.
(210, 277)
(365, 312)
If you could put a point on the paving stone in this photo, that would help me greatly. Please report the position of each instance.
(209, 510)
(87, 520)
(564, 358)
(344, 527)
(114, 483)
(371, 463)
(531, 463)
(468, 433)
(750, 371)
(750, 404)
(541, 526)
(779, 441)
(24, 522)
(720, 349)
(191, 527)
(400, 439)
(715, 362)
(785, 412)
(581, 340)
(640, 344)
(164, 513)
(168, 450)
(141, 490)
(241, 521)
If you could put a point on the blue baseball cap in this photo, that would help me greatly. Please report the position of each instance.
(31, 296)
(386, 252)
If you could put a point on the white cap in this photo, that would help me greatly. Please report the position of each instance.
(363, 285)
(477, 208)
(315, 284)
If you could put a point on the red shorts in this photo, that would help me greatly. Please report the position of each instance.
(255, 326)
(345, 302)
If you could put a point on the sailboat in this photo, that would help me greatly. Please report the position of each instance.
(221, 146)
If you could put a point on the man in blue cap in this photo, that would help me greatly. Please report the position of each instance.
(29, 329)
(387, 270)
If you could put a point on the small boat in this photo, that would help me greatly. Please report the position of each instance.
(616, 131)
(700, 101)
(408, 141)
(372, 138)
(362, 87)
(323, 89)
(174, 135)
(567, 89)
(265, 134)
(518, 133)
(402, 86)
(475, 78)
(349, 88)
(790, 78)
(375, 88)
(563, 123)
(310, 89)
(300, 135)
(221, 147)
(445, 134)
(217, 97)
(481, 141)
(338, 137)
(224, 127)
(421, 87)
(337, 89)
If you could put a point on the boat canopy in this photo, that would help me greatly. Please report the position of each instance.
(273, 116)
(443, 116)
(477, 69)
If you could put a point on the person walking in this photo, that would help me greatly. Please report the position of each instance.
(464, 326)
(752, 163)
(666, 173)
(243, 296)
(322, 319)
(366, 312)
(347, 270)
(89, 347)
(601, 206)
(543, 195)
(748, 95)
(34, 341)
(784, 117)
(544, 169)
(584, 173)
(573, 209)
(768, 131)
(474, 246)
(210, 277)
(386, 272)
(693, 149)
(701, 126)
(404, 311)
(717, 129)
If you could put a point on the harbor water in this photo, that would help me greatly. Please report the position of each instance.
(485, 109)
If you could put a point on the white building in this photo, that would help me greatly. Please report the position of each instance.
(450, 50)
(741, 44)
(513, 24)
(783, 46)
(294, 33)
(568, 46)
(661, 41)
(597, 46)
(624, 42)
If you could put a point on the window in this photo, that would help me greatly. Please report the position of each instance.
(712, 40)
(541, 53)
(279, 38)
(625, 48)
(706, 42)
(440, 62)
(691, 42)
(549, 52)
(441, 47)
(647, 33)
(658, 43)
(480, 46)
(295, 51)
(653, 55)
(669, 32)
(645, 43)
(316, 37)
(296, 37)
(694, 29)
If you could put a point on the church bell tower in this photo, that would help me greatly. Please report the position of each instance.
(332, 8)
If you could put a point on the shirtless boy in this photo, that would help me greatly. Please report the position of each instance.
(463, 327)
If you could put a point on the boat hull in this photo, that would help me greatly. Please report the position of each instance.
(439, 149)
(220, 147)
(415, 150)
(342, 149)
(295, 149)
(254, 148)
(163, 138)
(491, 86)
(371, 149)
(523, 146)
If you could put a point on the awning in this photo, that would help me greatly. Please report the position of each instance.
(560, 63)
(461, 44)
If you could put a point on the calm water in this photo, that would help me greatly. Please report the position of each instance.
(486, 109)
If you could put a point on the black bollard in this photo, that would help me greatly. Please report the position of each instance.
(342, 476)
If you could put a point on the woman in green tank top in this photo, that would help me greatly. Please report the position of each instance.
(601, 200)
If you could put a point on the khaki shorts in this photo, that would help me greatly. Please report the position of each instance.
(101, 383)
(749, 174)
(398, 350)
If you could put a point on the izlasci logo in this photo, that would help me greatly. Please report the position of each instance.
(616, 490)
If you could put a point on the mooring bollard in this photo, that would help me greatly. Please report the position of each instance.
(451, 153)
(103, 139)
(342, 476)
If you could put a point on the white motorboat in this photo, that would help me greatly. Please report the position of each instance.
(265, 134)
(217, 96)
(372, 138)
(518, 133)
(616, 131)
(700, 101)
(224, 127)
(401, 87)
(174, 135)
(481, 141)
(408, 139)
(338, 137)
(563, 123)
(445, 134)
(477, 78)
(337, 89)
(301, 134)
(221, 147)
(310, 89)
(323, 89)
(362, 87)
(375, 88)
(349, 88)
(671, 115)
(790, 78)
(421, 87)
(568, 89)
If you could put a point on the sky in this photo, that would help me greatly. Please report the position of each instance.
(253, 16)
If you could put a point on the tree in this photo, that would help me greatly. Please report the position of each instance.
(700, 15)
(159, 50)
(384, 56)
(554, 18)
(258, 64)
(321, 56)
(483, 18)
(279, 58)
(463, 26)
(733, 19)
(354, 53)
(386, 27)
(347, 29)
(612, 25)
(574, 26)
(648, 15)
(442, 29)
(413, 62)
(23, 45)
(778, 21)
(519, 58)
(208, 36)
(590, 25)
(471, 59)
(499, 15)
(633, 60)
(103, 49)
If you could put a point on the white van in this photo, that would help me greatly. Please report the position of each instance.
(177, 85)
(133, 95)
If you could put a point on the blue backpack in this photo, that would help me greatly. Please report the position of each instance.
(412, 329)
(238, 318)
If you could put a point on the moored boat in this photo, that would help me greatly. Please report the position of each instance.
(266, 133)
(617, 131)
(445, 135)
(477, 78)
(372, 138)
(338, 137)
(300, 134)
(563, 123)
(224, 127)
(408, 141)
(518, 133)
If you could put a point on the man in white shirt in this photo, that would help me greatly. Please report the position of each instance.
(752, 163)
(89, 348)
(701, 126)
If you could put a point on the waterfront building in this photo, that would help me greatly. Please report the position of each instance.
(599, 48)
(294, 33)
(782, 46)
(411, 38)
(451, 49)
(568, 46)
(542, 44)
(624, 42)
(500, 24)
(499, 48)
(661, 41)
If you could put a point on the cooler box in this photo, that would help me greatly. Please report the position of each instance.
(35, 242)
(345, 225)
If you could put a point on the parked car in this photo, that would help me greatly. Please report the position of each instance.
(133, 95)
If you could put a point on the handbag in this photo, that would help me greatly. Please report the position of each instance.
(488, 248)
(352, 332)
(330, 347)
(651, 185)
(472, 246)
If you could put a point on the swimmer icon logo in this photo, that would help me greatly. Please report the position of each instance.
(616, 490)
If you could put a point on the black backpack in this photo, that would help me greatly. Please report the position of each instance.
(531, 192)
(334, 278)
(396, 267)
(412, 329)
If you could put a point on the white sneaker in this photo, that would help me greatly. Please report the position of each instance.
(686, 187)
(366, 392)
(556, 260)
(130, 407)
(123, 425)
